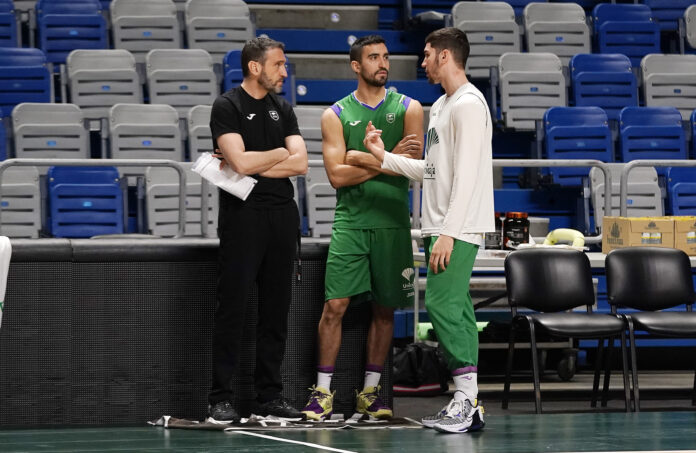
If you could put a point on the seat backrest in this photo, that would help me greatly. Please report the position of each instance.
(162, 186)
(25, 78)
(142, 26)
(491, 30)
(21, 202)
(232, 69)
(644, 197)
(626, 29)
(320, 198)
(576, 133)
(530, 83)
(218, 25)
(603, 80)
(667, 12)
(549, 280)
(519, 5)
(309, 121)
(66, 26)
(651, 133)
(681, 190)
(690, 22)
(200, 136)
(559, 28)
(182, 78)
(145, 131)
(100, 79)
(8, 25)
(50, 131)
(668, 81)
(649, 278)
(84, 201)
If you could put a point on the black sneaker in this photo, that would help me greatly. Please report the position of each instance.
(279, 408)
(223, 412)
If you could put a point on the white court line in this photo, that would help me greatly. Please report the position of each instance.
(307, 444)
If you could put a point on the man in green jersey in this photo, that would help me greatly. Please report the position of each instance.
(370, 251)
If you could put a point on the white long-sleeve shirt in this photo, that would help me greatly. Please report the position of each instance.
(457, 173)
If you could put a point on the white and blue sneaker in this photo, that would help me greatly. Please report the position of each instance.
(461, 417)
(429, 420)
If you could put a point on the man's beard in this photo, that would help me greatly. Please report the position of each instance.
(374, 81)
(268, 84)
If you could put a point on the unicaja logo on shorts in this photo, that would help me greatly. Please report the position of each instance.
(408, 274)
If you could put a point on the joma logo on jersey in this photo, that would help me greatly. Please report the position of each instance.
(433, 138)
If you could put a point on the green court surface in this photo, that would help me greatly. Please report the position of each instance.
(586, 432)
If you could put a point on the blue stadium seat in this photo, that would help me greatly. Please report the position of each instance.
(576, 133)
(626, 29)
(84, 201)
(651, 133)
(668, 12)
(518, 5)
(681, 190)
(603, 80)
(66, 25)
(24, 77)
(8, 24)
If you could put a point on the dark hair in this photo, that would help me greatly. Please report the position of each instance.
(255, 50)
(357, 46)
(452, 39)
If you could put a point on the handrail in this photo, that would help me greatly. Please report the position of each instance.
(623, 194)
(107, 162)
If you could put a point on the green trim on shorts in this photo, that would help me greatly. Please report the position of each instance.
(378, 261)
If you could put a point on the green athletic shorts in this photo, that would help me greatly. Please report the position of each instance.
(376, 261)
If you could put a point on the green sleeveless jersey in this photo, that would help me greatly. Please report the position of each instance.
(380, 202)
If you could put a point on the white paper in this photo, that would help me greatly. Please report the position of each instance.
(227, 179)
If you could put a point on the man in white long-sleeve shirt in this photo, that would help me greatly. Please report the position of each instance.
(457, 178)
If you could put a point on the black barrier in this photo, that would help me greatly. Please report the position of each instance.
(118, 332)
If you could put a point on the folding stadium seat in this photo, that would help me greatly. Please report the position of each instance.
(8, 24)
(199, 136)
(681, 190)
(66, 25)
(182, 78)
(162, 185)
(144, 131)
(651, 133)
(644, 194)
(84, 201)
(50, 131)
(309, 121)
(576, 133)
(603, 80)
(668, 80)
(320, 199)
(21, 203)
(491, 30)
(559, 28)
(24, 77)
(626, 29)
(530, 83)
(667, 12)
(99, 79)
(218, 26)
(519, 5)
(140, 26)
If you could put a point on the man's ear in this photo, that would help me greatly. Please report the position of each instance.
(355, 66)
(254, 67)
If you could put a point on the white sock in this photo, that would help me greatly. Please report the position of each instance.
(372, 379)
(324, 380)
(467, 386)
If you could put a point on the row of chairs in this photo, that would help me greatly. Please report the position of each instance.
(641, 283)
(528, 84)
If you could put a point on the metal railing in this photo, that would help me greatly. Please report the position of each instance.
(623, 194)
(104, 163)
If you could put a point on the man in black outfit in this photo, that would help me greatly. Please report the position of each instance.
(256, 134)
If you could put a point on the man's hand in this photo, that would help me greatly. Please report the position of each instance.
(217, 154)
(409, 146)
(373, 141)
(441, 253)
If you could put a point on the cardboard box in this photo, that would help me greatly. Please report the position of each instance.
(685, 234)
(619, 232)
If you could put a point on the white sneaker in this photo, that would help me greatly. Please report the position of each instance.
(429, 420)
(461, 417)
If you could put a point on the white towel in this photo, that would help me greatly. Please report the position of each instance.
(227, 179)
